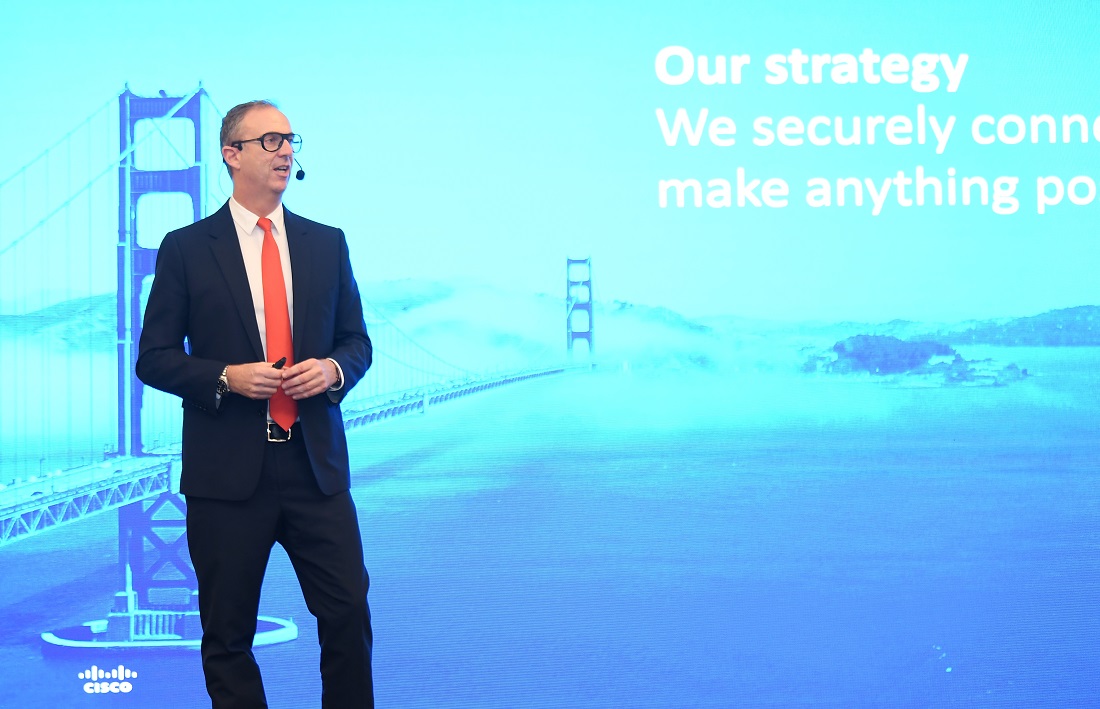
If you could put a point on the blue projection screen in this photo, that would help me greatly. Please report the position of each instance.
(726, 354)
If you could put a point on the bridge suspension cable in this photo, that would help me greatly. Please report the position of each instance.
(112, 165)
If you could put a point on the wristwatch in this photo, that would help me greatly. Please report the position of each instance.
(223, 382)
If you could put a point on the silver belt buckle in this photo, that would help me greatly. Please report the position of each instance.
(272, 426)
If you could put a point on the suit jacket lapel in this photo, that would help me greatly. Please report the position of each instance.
(227, 253)
(301, 269)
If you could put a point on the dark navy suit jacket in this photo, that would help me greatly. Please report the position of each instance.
(201, 293)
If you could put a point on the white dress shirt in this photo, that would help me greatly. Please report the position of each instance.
(251, 238)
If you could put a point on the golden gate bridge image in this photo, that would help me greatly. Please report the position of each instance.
(80, 436)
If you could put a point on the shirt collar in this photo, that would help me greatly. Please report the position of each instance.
(246, 220)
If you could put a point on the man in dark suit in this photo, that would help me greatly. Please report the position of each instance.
(264, 454)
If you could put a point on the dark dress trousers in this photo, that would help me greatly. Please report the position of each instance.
(243, 493)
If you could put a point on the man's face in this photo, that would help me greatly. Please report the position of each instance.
(255, 171)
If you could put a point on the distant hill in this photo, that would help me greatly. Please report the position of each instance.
(1068, 327)
(88, 322)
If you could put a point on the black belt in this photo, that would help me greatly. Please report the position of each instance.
(278, 434)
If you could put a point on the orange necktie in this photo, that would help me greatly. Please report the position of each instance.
(284, 410)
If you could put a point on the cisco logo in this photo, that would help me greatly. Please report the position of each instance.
(115, 681)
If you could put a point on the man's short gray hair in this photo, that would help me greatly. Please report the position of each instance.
(232, 122)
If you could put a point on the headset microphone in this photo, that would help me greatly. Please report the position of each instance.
(301, 174)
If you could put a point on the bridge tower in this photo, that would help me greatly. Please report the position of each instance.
(156, 576)
(578, 303)
(157, 606)
(137, 262)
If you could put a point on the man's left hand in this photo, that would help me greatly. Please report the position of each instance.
(309, 378)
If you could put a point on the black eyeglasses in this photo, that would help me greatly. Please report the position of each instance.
(272, 141)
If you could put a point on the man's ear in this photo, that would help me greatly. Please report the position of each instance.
(231, 156)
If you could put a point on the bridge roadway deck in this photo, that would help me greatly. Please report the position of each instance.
(39, 503)
(29, 507)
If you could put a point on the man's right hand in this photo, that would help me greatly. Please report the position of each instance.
(256, 380)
